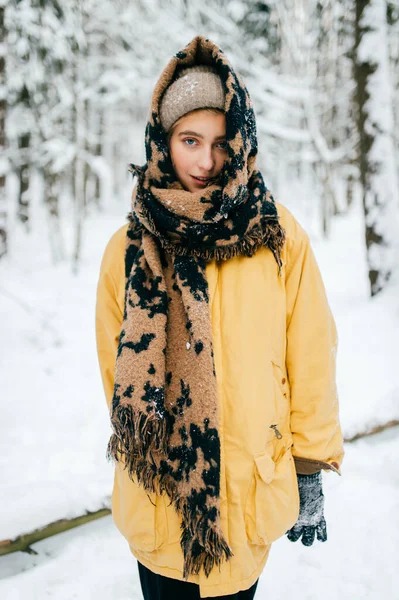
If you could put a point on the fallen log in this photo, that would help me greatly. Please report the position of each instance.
(372, 431)
(23, 543)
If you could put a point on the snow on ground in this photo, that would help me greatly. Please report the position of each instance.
(55, 423)
(54, 429)
(358, 561)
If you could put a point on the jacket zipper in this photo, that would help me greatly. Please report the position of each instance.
(276, 431)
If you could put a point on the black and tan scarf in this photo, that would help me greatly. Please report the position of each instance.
(165, 405)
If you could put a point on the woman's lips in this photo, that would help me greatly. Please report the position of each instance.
(202, 182)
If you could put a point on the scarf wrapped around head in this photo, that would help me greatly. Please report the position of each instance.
(164, 410)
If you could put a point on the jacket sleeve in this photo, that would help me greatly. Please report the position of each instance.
(311, 360)
(109, 310)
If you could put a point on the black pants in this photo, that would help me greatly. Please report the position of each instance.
(158, 587)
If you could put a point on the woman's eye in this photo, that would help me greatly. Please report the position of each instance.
(222, 145)
(189, 141)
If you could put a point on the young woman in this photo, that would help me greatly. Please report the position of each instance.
(217, 349)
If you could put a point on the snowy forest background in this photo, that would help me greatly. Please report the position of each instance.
(76, 81)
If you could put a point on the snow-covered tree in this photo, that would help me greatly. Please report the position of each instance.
(393, 41)
(80, 77)
(378, 168)
(3, 161)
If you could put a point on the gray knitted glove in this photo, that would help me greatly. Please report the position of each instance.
(311, 520)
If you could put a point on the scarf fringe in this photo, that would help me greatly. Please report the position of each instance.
(202, 546)
(135, 440)
(271, 235)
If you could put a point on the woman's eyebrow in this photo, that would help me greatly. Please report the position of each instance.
(187, 132)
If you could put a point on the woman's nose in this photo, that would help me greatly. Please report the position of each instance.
(206, 160)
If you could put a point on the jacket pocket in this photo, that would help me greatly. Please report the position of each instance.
(139, 515)
(272, 505)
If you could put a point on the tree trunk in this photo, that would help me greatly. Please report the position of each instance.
(349, 191)
(79, 164)
(51, 193)
(87, 179)
(3, 164)
(78, 180)
(79, 169)
(24, 179)
(378, 175)
(98, 152)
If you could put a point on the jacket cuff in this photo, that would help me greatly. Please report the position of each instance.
(309, 466)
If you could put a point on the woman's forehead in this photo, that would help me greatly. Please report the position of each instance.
(202, 123)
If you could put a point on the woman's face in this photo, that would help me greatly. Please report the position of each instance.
(198, 148)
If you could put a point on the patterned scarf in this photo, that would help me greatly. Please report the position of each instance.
(165, 408)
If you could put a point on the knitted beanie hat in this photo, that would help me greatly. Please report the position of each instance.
(196, 87)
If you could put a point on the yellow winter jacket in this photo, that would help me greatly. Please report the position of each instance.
(275, 343)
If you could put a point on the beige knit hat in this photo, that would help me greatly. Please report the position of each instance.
(196, 87)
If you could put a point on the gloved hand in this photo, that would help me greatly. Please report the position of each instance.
(311, 520)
